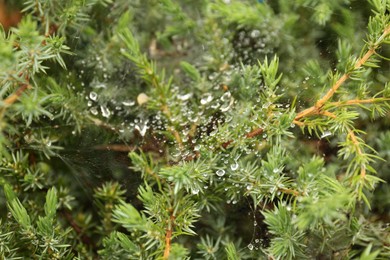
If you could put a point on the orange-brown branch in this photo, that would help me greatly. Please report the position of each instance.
(328, 114)
(13, 97)
(253, 133)
(320, 103)
(168, 237)
(290, 191)
(115, 147)
(358, 101)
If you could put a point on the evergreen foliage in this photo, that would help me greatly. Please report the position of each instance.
(209, 129)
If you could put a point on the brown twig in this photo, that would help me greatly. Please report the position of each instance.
(321, 102)
(290, 191)
(84, 238)
(14, 96)
(358, 102)
(168, 235)
(253, 133)
(328, 114)
(115, 147)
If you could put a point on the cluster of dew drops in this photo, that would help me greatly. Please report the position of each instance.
(108, 109)
(223, 102)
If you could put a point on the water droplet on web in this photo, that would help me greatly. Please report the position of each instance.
(234, 166)
(142, 128)
(249, 186)
(326, 134)
(195, 191)
(206, 98)
(100, 85)
(227, 106)
(215, 105)
(128, 103)
(93, 96)
(184, 97)
(220, 173)
(105, 111)
(255, 33)
(288, 208)
(94, 111)
(226, 96)
(227, 101)
(250, 247)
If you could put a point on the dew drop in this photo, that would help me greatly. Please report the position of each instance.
(227, 100)
(220, 173)
(195, 191)
(234, 166)
(93, 95)
(128, 103)
(250, 247)
(255, 33)
(94, 111)
(326, 134)
(142, 129)
(184, 97)
(226, 96)
(100, 85)
(105, 111)
(207, 98)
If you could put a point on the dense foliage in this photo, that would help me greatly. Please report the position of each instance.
(208, 129)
